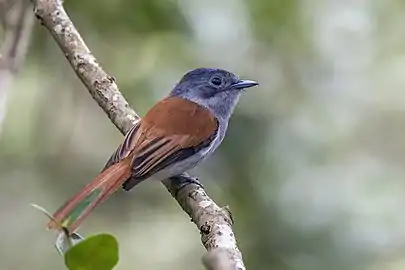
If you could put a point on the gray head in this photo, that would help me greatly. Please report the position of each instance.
(216, 89)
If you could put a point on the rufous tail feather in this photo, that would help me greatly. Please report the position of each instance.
(77, 208)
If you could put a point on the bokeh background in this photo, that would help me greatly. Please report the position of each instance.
(313, 163)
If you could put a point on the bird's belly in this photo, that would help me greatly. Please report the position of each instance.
(179, 167)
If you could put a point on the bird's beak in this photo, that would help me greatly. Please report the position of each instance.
(244, 84)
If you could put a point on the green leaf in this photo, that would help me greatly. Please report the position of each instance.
(97, 252)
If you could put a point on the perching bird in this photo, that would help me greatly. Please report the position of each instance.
(174, 136)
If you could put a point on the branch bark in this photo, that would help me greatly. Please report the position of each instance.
(214, 222)
(17, 20)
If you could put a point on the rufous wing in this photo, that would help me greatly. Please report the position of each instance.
(173, 130)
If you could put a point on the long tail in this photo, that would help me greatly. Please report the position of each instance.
(77, 208)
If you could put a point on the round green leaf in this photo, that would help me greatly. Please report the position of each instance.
(97, 252)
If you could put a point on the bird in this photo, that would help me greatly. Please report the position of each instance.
(176, 134)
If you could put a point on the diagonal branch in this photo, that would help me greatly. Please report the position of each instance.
(214, 222)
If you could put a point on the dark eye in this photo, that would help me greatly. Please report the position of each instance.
(216, 81)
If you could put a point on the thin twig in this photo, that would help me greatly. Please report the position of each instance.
(214, 223)
(17, 20)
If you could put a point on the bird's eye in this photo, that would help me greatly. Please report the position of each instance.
(216, 81)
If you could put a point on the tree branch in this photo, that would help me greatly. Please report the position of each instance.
(214, 222)
(17, 20)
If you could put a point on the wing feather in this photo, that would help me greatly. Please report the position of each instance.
(172, 130)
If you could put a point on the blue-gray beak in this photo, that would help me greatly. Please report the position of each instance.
(244, 84)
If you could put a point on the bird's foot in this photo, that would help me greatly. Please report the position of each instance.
(178, 182)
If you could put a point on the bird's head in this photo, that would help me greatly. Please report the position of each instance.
(216, 89)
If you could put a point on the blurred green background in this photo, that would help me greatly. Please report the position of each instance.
(312, 166)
